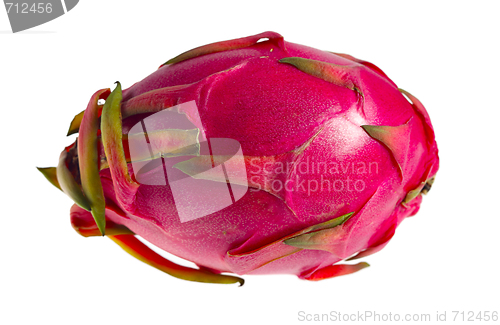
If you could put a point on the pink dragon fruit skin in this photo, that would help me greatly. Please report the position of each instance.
(335, 119)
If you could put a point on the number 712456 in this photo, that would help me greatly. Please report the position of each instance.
(25, 8)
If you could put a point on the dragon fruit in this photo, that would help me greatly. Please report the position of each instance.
(250, 156)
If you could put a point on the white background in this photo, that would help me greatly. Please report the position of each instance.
(443, 259)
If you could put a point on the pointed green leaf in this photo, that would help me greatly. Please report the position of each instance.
(423, 187)
(137, 249)
(332, 223)
(223, 46)
(335, 270)
(314, 236)
(88, 159)
(395, 138)
(75, 124)
(112, 141)
(50, 174)
(413, 193)
(69, 185)
(333, 73)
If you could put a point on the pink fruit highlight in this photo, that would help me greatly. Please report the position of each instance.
(334, 157)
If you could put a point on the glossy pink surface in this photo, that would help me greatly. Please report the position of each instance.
(298, 131)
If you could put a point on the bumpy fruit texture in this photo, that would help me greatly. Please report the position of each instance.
(336, 157)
